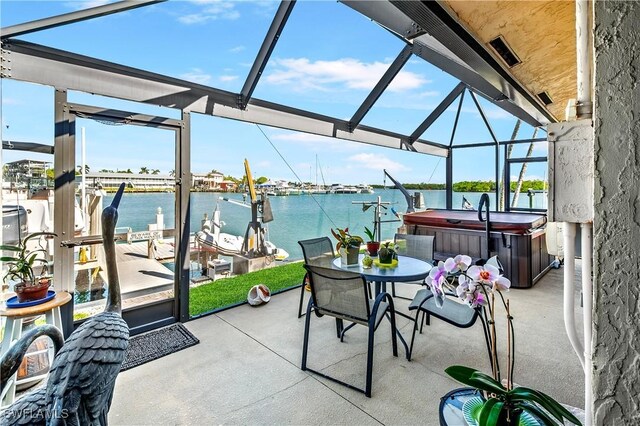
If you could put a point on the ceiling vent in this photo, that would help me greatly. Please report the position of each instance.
(545, 98)
(504, 51)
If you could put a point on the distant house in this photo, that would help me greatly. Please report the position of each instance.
(209, 181)
(228, 186)
(27, 173)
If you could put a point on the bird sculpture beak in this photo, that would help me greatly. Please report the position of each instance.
(117, 197)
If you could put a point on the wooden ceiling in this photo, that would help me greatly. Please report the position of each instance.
(540, 33)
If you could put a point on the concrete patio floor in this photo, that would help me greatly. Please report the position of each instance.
(246, 369)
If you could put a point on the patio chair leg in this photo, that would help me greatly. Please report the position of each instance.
(367, 389)
(393, 289)
(339, 327)
(302, 289)
(305, 344)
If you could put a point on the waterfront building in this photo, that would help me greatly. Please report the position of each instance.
(139, 182)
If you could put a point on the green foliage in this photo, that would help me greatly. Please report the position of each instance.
(474, 186)
(345, 239)
(261, 180)
(536, 185)
(230, 291)
(371, 235)
(20, 264)
(502, 399)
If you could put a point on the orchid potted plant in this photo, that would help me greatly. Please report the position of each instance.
(347, 245)
(372, 244)
(503, 404)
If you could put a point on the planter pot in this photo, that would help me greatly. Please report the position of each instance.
(27, 293)
(372, 248)
(385, 257)
(350, 257)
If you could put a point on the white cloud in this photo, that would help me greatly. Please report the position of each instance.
(228, 77)
(237, 49)
(320, 143)
(197, 75)
(11, 101)
(211, 10)
(491, 113)
(428, 94)
(79, 5)
(376, 162)
(347, 72)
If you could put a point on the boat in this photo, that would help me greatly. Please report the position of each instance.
(210, 236)
(342, 189)
(364, 188)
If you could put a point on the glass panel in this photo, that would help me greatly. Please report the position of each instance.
(204, 40)
(143, 158)
(473, 175)
(321, 62)
(411, 97)
(532, 192)
(27, 177)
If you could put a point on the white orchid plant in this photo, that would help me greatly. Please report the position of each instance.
(477, 286)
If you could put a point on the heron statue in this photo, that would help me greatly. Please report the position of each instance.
(82, 378)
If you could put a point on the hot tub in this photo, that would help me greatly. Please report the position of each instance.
(517, 238)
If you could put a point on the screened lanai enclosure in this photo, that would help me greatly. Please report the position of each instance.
(189, 84)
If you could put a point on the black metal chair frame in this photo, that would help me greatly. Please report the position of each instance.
(479, 312)
(371, 324)
(306, 260)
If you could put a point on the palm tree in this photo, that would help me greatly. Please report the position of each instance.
(172, 172)
(155, 171)
(144, 170)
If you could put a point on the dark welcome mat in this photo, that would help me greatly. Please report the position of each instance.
(156, 344)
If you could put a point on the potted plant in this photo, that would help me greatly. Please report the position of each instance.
(502, 404)
(372, 244)
(348, 245)
(387, 253)
(20, 266)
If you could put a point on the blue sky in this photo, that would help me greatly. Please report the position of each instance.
(327, 60)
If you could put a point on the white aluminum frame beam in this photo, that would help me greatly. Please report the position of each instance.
(68, 18)
(52, 67)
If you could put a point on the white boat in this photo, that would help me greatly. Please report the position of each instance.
(342, 189)
(365, 189)
(226, 244)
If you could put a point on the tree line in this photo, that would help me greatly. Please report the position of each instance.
(474, 186)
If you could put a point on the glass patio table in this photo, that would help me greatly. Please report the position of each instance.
(408, 269)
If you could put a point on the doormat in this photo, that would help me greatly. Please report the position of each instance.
(156, 344)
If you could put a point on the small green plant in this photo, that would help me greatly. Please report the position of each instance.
(20, 265)
(370, 235)
(345, 239)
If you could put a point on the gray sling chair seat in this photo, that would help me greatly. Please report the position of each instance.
(344, 295)
(316, 251)
(416, 246)
(452, 311)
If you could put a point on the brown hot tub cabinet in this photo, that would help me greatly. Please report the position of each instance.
(517, 238)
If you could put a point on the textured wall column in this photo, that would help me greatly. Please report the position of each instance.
(616, 359)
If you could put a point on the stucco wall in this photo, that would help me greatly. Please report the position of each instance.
(616, 359)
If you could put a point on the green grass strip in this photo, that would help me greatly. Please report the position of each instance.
(230, 291)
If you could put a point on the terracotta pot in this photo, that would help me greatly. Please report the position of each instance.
(372, 248)
(36, 291)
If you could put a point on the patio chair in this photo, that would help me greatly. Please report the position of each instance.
(316, 251)
(453, 312)
(416, 246)
(344, 296)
